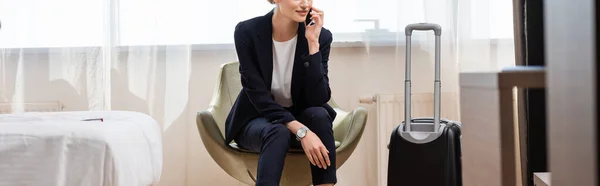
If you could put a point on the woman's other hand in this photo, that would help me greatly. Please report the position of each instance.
(315, 150)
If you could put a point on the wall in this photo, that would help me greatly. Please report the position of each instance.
(173, 85)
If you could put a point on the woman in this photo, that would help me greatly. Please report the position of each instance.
(283, 102)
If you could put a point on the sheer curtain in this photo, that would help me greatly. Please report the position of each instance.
(161, 57)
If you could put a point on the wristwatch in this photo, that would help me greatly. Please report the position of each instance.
(301, 133)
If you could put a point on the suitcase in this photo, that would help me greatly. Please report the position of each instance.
(425, 151)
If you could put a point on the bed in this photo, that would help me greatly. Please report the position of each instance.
(112, 148)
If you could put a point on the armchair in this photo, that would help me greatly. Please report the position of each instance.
(242, 165)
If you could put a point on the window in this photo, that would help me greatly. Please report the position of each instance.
(213, 22)
(50, 23)
(68, 23)
(491, 19)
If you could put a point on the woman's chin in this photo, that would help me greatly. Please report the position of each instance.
(299, 19)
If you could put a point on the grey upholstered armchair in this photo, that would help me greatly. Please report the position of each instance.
(241, 164)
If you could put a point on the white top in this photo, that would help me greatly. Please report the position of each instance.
(283, 64)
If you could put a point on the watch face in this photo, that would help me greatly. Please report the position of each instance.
(301, 133)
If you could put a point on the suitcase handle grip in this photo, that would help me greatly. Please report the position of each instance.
(437, 29)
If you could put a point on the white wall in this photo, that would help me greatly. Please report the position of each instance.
(173, 86)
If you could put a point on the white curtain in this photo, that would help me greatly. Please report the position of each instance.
(161, 57)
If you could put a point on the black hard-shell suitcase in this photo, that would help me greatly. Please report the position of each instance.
(425, 151)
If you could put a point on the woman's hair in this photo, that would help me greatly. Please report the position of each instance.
(271, 1)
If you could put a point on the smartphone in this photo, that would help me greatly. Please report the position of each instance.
(309, 21)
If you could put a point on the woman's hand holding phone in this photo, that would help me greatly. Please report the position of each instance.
(313, 30)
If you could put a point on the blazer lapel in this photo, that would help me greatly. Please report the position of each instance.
(299, 61)
(265, 48)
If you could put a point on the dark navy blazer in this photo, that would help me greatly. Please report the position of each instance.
(310, 83)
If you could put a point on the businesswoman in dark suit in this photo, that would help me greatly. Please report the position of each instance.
(283, 102)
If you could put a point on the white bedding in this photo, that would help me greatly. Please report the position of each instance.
(58, 149)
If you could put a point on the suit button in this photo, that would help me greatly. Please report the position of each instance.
(306, 64)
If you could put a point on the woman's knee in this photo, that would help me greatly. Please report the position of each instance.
(318, 114)
(319, 121)
(278, 132)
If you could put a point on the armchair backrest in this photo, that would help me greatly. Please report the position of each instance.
(227, 89)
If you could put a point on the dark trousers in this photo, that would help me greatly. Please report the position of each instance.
(274, 140)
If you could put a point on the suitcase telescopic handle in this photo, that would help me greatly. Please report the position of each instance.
(437, 29)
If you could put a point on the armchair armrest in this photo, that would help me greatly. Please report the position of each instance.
(350, 129)
(227, 158)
